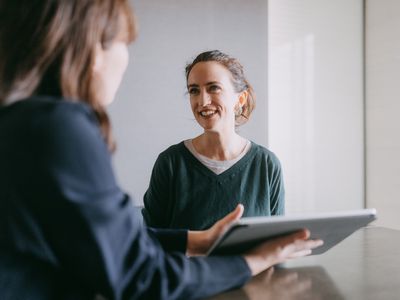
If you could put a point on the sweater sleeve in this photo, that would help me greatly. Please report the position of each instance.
(277, 190)
(92, 228)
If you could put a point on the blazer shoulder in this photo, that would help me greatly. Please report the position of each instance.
(60, 114)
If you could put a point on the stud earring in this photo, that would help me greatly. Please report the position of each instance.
(239, 111)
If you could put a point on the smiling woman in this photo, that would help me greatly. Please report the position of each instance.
(199, 180)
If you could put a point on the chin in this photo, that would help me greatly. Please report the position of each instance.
(207, 127)
(210, 129)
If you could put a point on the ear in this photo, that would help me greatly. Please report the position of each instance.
(243, 98)
(98, 58)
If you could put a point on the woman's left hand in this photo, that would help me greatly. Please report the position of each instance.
(200, 241)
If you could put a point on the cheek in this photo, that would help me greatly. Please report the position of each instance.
(233, 101)
(115, 64)
(120, 61)
(227, 101)
(125, 59)
(192, 104)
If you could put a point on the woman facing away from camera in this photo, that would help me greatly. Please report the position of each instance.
(197, 181)
(67, 231)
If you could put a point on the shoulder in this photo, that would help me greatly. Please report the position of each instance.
(63, 123)
(173, 152)
(52, 109)
(168, 161)
(59, 112)
(266, 155)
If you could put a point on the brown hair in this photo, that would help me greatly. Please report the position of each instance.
(239, 81)
(47, 47)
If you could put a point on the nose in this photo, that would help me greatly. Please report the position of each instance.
(204, 99)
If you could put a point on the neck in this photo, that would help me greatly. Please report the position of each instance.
(219, 145)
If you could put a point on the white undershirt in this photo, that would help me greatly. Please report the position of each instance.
(217, 166)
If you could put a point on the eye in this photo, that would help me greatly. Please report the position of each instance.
(214, 88)
(193, 91)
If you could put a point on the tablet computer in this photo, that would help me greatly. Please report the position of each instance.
(332, 228)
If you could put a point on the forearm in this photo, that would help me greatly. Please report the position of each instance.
(171, 239)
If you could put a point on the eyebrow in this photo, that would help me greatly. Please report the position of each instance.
(192, 85)
(208, 83)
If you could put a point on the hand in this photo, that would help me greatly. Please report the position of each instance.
(200, 241)
(279, 250)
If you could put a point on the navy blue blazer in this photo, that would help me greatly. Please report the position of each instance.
(67, 231)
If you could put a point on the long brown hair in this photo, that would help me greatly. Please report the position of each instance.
(47, 47)
(239, 81)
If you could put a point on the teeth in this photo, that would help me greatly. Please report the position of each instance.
(206, 113)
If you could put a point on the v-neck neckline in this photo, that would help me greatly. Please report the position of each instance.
(209, 173)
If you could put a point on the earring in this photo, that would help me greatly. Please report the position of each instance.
(239, 111)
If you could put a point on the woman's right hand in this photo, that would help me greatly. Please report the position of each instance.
(279, 250)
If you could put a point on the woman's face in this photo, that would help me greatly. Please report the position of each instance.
(109, 68)
(212, 96)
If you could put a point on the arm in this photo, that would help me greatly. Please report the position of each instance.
(277, 190)
(91, 226)
(155, 211)
(171, 239)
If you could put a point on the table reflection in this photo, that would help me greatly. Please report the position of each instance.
(311, 283)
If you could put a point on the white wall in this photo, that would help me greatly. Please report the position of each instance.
(316, 101)
(383, 109)
(152, 111)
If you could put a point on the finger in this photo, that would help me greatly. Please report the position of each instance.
(300, 240)
(233, 216)
(292, 238)
(237, 213)
(300, 254)
(312, 244)
(316, 243)
(302, 248)
(303, 234)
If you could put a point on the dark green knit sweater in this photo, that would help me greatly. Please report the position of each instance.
(183, 193)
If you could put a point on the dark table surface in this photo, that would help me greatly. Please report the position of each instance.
(365, 265)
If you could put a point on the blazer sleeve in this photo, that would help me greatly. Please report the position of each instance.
(92, 228)
(170, 239)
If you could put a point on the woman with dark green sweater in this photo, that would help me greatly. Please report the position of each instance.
(198, 181)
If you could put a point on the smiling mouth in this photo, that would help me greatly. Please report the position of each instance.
(207, 113)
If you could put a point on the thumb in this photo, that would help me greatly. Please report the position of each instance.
(233, 216)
